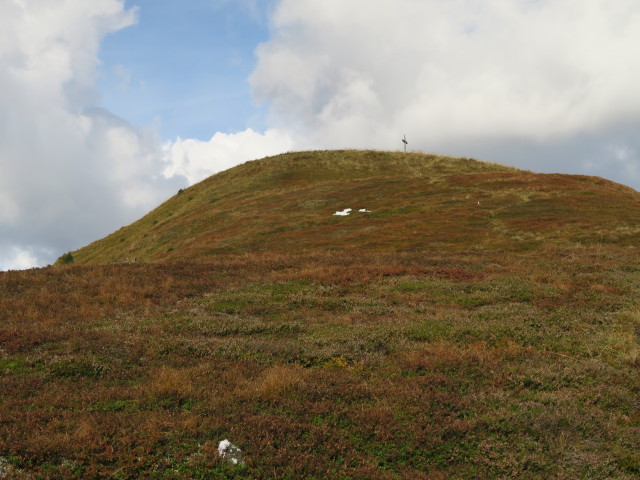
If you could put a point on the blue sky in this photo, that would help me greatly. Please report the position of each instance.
(108, 107)
(185, 65)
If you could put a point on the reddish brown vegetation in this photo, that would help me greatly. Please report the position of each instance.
(416, 203)
(376, 366)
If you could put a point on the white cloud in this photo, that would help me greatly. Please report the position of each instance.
(68, 173)
(18, 259)
(196, 160)
(458, 77)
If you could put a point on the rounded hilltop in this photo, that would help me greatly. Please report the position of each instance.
(299, 203)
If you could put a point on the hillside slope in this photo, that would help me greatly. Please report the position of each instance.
(413, 202)
(377, 366)
(414, 341)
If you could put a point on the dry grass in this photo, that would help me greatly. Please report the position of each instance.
(278, 381)
(170, 384)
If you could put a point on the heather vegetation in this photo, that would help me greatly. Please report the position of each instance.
(417, 202)
(391, 360)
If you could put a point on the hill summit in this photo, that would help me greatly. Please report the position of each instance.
(350, 200)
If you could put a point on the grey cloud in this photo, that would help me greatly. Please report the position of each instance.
(612, 152)
(80, 183)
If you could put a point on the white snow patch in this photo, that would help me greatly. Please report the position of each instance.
(344, 212)
(347, 211)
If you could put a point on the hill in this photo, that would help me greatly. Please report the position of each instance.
(431, 338)
(413, 202)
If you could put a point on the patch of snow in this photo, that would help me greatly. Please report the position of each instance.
(344, 212)
(347, 211)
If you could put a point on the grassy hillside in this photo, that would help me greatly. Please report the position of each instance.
(356, 366)
(416, 202)
(430, 338)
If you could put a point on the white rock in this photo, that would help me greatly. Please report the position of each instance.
(230, 453)
(223, 446)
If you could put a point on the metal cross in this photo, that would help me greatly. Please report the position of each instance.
(404, 140)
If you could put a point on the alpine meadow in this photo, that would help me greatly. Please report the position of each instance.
(337, 315)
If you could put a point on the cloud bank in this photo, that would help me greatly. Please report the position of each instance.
(542, 84)
(69, 173)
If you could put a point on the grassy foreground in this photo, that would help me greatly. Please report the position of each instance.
(326, 365)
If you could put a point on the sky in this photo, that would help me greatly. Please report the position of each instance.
(109, 107)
